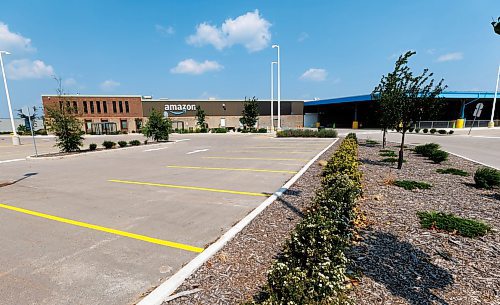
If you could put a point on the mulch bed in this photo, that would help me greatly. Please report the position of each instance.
(400, 263)
(237, 272)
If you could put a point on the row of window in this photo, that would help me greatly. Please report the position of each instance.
(97, 107)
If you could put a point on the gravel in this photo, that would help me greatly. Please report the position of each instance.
(237, 273)
(400, 263)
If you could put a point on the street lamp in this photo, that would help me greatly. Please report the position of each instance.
(272, 94)
(15, 137)
(279, 86)
(491, 124)
(496, 26)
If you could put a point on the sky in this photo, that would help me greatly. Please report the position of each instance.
(222, 49)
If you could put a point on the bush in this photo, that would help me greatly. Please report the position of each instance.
(92, 146)
(425, 130)
(427, 149)
(452, 171)
(262, 130)
(134, 143)
(219, 130)
(108, 144)
(41, 132)
(352, 135)
(307, 133)
(417, 130)
(438, 156)
(390, 160)
(433, 130)
(451, 132)
(487, 178)
(411, 185)
(371, 142)
(442, 131)
(452, 223)
(411, 129)
(122, 143)
(389, 153)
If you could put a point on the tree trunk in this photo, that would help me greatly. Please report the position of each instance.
(401, 149)
(384, 139)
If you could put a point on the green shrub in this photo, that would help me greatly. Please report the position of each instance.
(433, 130)
(411, 129)
(134, 143)
(417, 130)
(262, 130)
(487, 178)
(41, 132)
(92, 146)
(425, 130)
(108, 144)
(452, 223)
(442, 131)
(122, 143)
(451, 132)
(438, 156)
(390, 160)
(352, 135)
(219, 130)
(307, 133)
(411, 185)
(452, 171)
(371, 142)
(389, 153)
(427, 149)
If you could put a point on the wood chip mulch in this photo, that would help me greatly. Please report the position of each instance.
(398, 262)
(237, 273)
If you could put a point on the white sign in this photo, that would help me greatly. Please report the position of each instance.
(477, 111)
(179, 109)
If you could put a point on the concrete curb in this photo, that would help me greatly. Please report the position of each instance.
(158, 295)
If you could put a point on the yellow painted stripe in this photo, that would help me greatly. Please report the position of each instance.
(152, 240)
(234, 169)
(195, 188)
(249, 158)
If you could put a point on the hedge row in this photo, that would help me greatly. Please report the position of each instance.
(312, 267)
(307, 133)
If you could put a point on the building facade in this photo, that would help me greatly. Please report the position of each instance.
(127, 113)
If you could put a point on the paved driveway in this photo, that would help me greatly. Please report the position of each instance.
(104, 227)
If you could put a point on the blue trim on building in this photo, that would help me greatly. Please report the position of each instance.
(368, 97)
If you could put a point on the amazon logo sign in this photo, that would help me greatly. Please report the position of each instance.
(179, 108)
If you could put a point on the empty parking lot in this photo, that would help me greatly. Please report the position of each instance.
(103, 228)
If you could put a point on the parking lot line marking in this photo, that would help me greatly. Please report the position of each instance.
(195, 188)
(270, 152)
(153, 149)
(250, 158)
(12, 160)
(196, 151)
(148, 239)
(234, 169)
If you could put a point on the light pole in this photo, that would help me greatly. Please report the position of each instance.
(491, 124)
(15, 137)
(279, 86)
(272, 95)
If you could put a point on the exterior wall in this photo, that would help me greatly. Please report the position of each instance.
(287, 121)
(5, 125)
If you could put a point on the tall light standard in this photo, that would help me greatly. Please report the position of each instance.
(279, 86)
(272, 94)
(491, 124)
(15, 137)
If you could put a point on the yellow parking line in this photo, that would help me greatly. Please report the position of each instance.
(249, 158)
(234, 169)
(190, 188)
(152, 240)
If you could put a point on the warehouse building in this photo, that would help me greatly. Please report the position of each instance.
(127, 113)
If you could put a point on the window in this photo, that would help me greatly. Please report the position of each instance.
(60, 105)
(75, 107)
(114, 106)
(123, 124)
(85, 109)
(88, 126)
(91, 107)
(98, 104)
(127, 109)
(104, 107)
(120, 106)
(68, 106)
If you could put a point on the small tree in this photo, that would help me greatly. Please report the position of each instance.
(200, 117)
(157, 127)
(250, 113)
(406, 98)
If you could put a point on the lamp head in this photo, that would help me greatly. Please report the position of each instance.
(274, 62)
(5, 52)
(275, 46)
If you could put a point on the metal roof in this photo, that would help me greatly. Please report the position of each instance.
(368, 97)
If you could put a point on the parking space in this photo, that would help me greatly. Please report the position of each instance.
(103, 228)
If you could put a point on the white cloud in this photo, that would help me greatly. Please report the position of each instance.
(249, 30)
(165, 30)
(25, 68)
(303, 36)
(313, 74)
(109, 85)
(451, 57)
(10, 41)
(191, 66)
(70, 82)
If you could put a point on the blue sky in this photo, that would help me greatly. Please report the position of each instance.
(201, 49)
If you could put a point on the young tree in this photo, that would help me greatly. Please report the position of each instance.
(250, 113)
(200, 118)
(157, 127)
(66, 127)
(406, 99)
